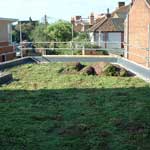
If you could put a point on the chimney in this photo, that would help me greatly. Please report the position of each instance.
(108, 14)
(77, 18)
(92, 19)
(120, 4)
(132, 2)
(72, 21)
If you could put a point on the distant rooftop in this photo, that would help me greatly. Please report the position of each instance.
(10, 20)
(33, 22)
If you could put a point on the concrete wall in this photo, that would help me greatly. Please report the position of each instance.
(113, 39)
(138, 20)
(95, 38)
(139, 70)
(4, 35)
(5, 40)
(16, 62)
(5, 78)
(91, 35)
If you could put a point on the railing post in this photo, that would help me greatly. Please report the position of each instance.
(43, 52)
(21, 50)
(99, 39)
(72, 48)
(83, 50)
(148, 50)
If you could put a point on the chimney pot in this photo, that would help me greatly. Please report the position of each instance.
(92, 19)
(77, 17)
(72, 20)
(120, 4)
(108, 14)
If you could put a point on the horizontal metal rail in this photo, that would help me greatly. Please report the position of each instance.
(90, 49)
(84, 42)
(72, 46)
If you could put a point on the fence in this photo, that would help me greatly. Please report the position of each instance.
(83, 48)
(141, 56)
(68, 48)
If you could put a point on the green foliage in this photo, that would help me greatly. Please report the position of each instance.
(26, 31)
(102, 52)
(39, 33)
(71, 68)
(51, 52)
(81, 37)
(45, 110)
(112, 70)
(123, 73)
(15, 35)
(59, 31)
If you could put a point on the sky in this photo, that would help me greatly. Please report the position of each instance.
(54, 9)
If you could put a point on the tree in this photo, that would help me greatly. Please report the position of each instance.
(15, 35)
(59, 31)
(39, 33)
(82, 37)
(26, 30)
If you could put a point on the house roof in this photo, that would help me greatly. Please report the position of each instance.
(123, 11)
(98, 24)
(28, 21)
(110, 24)
(10, 20)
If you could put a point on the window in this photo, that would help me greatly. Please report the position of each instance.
(3, 58)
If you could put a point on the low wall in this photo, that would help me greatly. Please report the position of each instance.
(77, 58)
(16, 62)
(135, 68)
(5, 78)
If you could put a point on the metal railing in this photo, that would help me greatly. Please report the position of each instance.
(81, 48)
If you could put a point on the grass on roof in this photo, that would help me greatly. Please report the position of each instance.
(45, 110)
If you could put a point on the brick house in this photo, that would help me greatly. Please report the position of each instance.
(137, 32)
(6, 48)
(81, 24)
(109, 31)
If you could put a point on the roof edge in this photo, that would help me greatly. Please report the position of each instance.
(99, 23)
(9, 19)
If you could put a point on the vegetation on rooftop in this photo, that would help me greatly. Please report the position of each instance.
(43, 109)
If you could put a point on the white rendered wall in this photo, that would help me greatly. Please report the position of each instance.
(113, 41)
(4, 32)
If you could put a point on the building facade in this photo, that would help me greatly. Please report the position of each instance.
(6, 49)
(109, 31)
(81, 24)
(137, 32)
